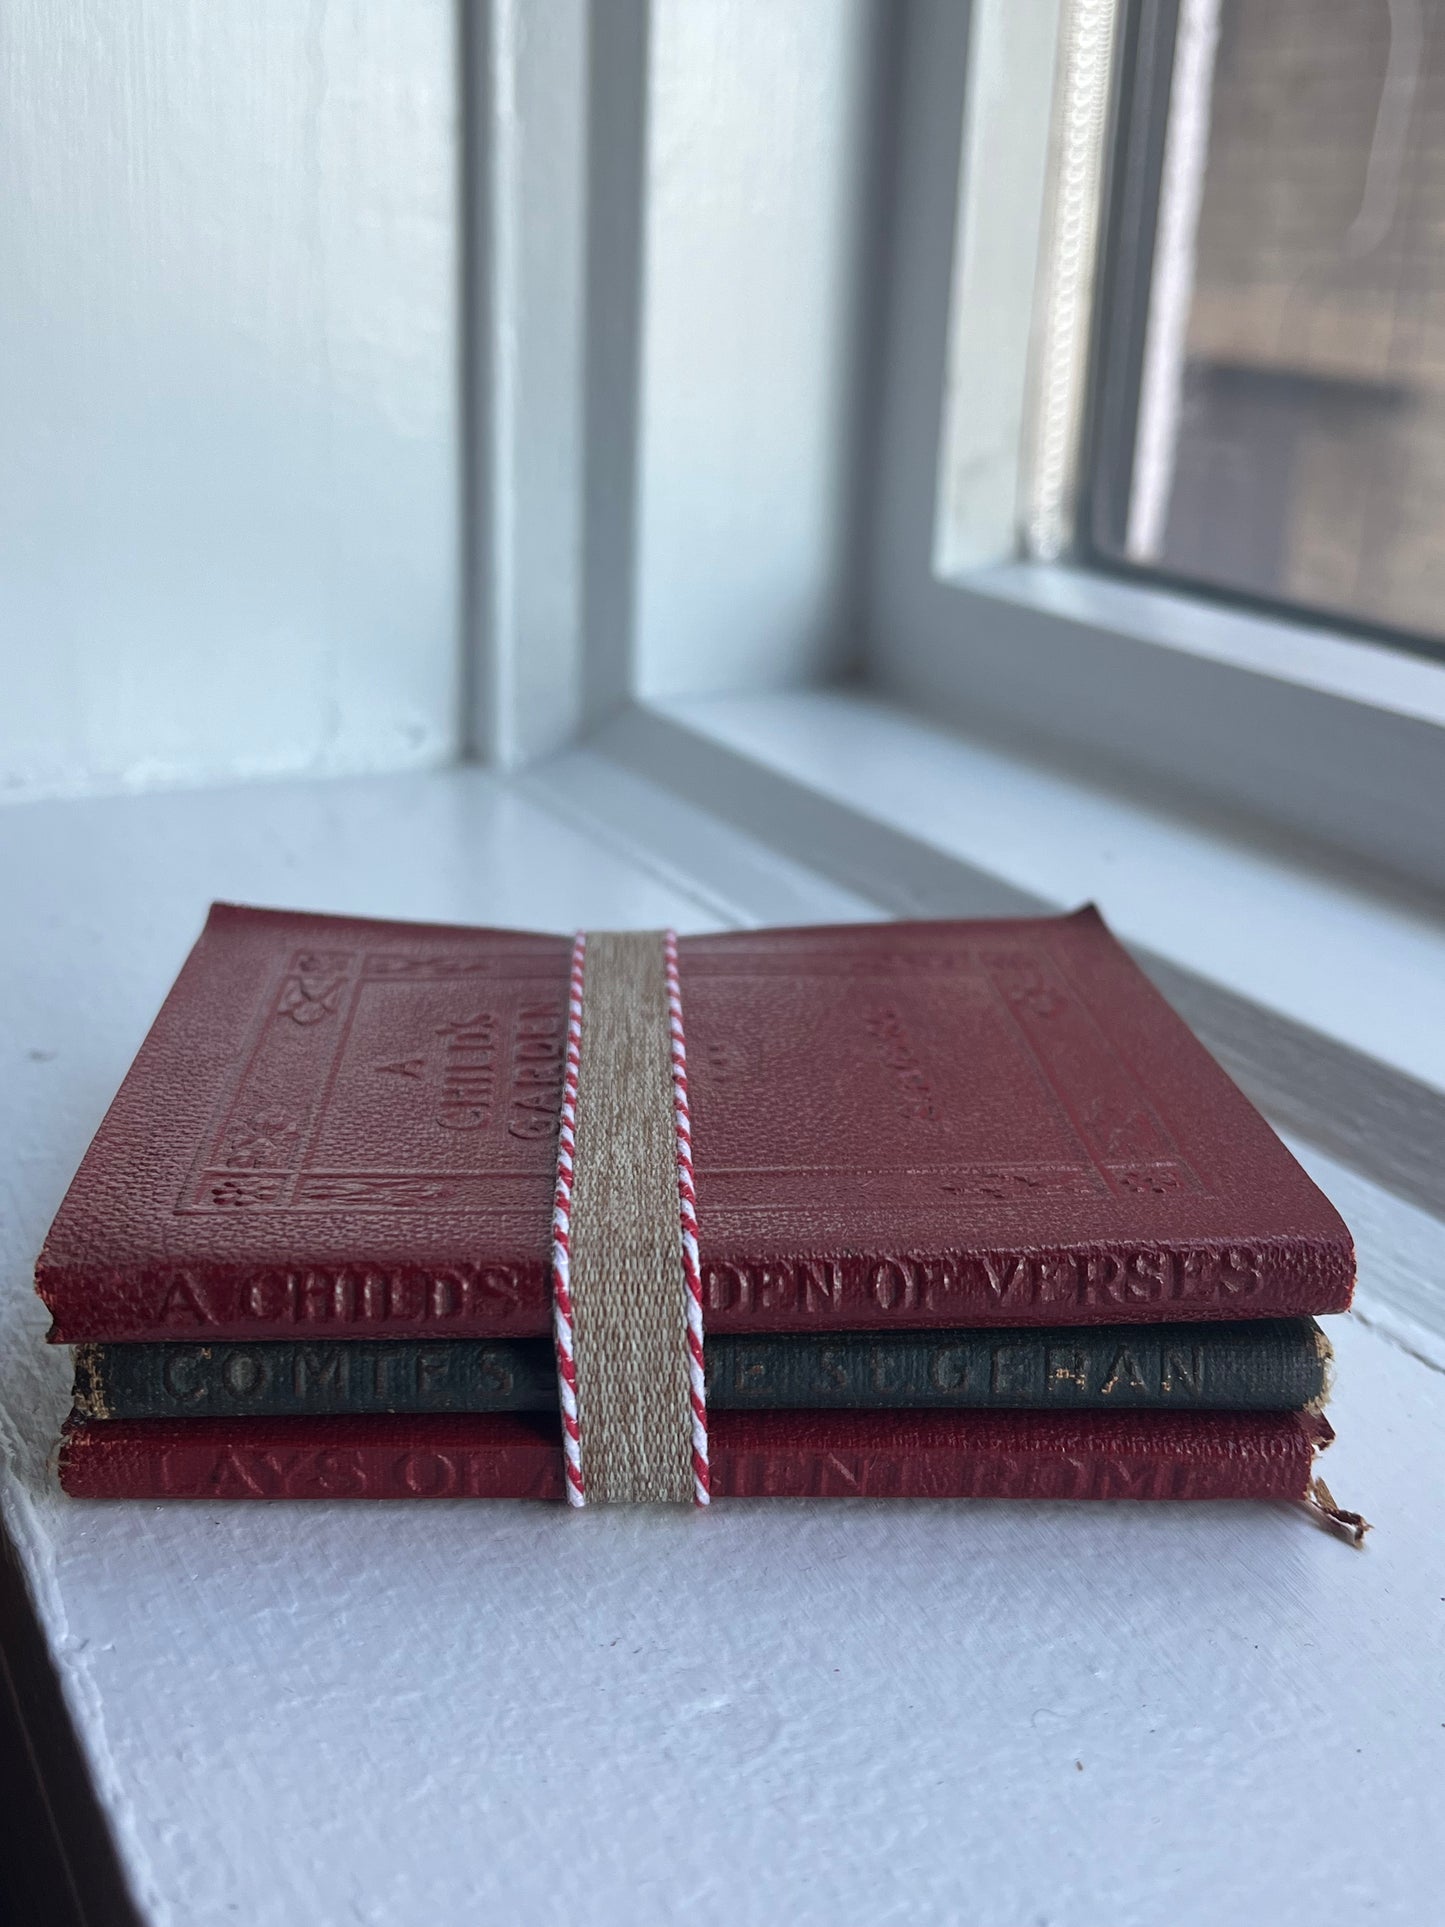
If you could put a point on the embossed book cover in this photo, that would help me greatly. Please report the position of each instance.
(348, 1129)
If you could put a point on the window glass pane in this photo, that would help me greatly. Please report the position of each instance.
(1289, 438)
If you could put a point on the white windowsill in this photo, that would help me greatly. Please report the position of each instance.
(1306, 654)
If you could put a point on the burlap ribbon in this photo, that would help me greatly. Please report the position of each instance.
(627, 1286)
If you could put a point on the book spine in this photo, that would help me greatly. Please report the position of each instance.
(1004, 1455)
(1263, 1365)
(280, 1378)
(1267, 1365)
(878, 1291)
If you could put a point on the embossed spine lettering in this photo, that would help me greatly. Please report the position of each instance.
(853, 1291)
(1263, 1364)
(1099, 1455)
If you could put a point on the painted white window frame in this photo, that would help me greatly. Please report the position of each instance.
(667, 328)
(619, 154)
(1335, 742)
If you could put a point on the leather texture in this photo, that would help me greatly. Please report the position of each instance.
(348, 1128)
(940, 1455)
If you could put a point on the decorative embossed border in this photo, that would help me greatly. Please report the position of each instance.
(267, 1167)
(1127, 1148)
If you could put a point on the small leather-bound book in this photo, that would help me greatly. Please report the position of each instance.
(347, 1129)
(1256, 1365)
(821, 1455)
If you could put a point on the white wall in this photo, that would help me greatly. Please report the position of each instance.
(228, 462)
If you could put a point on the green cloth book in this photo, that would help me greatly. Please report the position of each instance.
(1256, 1365)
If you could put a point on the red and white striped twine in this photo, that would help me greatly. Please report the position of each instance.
(687, 1202)
(562, 1234)
(562, 1230)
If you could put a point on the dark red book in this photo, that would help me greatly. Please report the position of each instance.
(895, 1455)
(349, 1128)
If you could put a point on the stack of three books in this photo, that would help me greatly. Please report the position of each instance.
(978, 1216)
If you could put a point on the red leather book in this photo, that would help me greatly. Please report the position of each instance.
(349, 1128)
(903, 1455)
